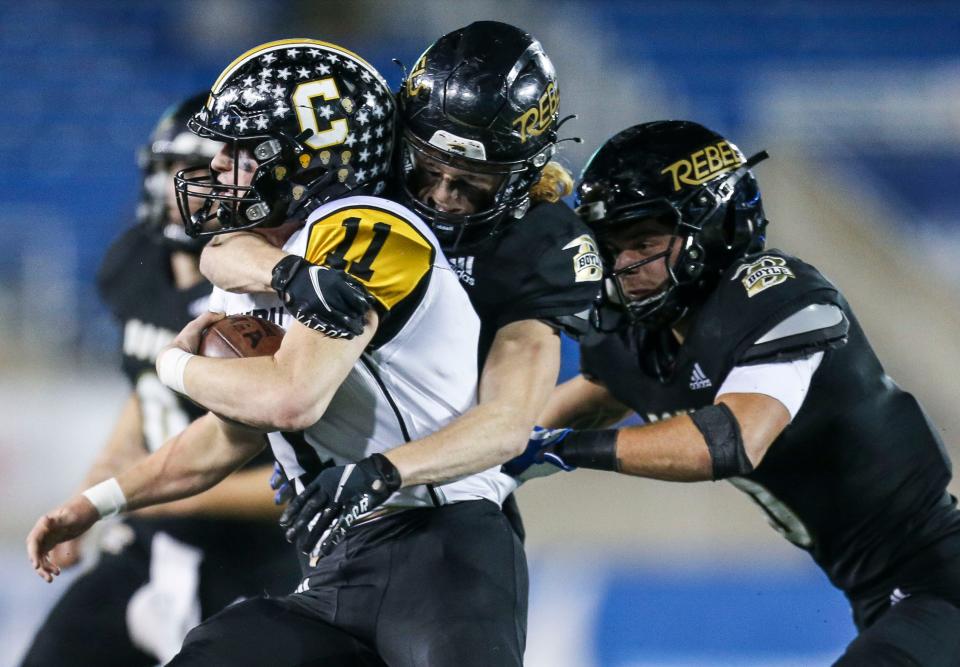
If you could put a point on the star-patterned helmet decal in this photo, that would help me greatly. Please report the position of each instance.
(311, 109)
(342, 100)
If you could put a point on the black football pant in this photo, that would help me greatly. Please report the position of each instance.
(512, 511)
(88, 625)
(913, 618)
(444, 587)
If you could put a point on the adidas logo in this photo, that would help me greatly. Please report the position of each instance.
(898, 596)
(463, 267)
(698, 380)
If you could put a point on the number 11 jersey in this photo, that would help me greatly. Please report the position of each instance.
(419, 371)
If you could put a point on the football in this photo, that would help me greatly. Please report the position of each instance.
(240, 336)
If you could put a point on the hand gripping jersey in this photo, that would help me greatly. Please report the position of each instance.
(859, 476)
(544, 266)
(419, 371)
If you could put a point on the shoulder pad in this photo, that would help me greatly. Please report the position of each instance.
(555, 269)
(815, 327)
(375, 241)
(813, 317)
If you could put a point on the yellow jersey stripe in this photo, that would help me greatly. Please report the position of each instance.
(383, 251)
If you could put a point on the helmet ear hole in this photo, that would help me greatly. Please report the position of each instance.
(691, 263)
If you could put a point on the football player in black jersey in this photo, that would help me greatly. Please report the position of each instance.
(479, 114)
(159, 572)
(748, 365)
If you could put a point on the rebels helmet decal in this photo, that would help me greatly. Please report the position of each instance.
(319, 120)
(540, 117)
(415, 81)
(705, 164)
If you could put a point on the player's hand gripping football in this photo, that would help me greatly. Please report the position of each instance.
(67, 522)
(318, 519)
(324, 299)
(540, 458)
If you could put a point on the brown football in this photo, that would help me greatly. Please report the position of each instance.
(240, 336)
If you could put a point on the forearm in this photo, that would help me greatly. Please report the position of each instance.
(289, 391)
(244, 495)
(247, 390)
(240, 262)
(203, 454)
(580, 403)
(518, 376)
(670, 450)
(482, 438)
(719, 441)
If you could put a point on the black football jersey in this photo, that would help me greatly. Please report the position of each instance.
(859, 477)
(544, 266)
(135, 281)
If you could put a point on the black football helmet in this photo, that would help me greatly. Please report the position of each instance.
(483, 99)
(697, 182)
(170, 142)
(318, 119)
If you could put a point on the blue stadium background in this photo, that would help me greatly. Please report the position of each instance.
(84, 82)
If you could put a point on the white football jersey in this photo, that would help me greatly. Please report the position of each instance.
(420, 371)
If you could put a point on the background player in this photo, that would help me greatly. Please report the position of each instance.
(773, 384)
(160, 571)
(478, 168)
(439, 577)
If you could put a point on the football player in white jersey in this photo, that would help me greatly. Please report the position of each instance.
(432, 575)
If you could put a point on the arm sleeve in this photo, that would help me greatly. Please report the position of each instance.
(786, 381)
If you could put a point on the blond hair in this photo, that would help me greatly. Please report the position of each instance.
(554, 184)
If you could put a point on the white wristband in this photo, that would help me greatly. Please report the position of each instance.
(107, 497)
(171, 364)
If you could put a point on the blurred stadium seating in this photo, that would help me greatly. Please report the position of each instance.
(858, 103)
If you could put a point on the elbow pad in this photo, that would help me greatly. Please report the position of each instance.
(721, 431)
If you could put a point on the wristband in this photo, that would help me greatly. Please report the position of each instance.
(171, 364)
(107, 497)
(595, 449)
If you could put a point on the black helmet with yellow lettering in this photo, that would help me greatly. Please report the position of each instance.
(693, 180)
(484, 99)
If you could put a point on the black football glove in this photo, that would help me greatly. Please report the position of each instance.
(324, 299)
(318, 519)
